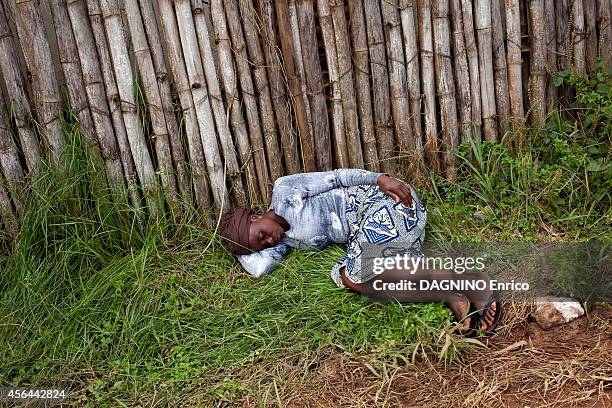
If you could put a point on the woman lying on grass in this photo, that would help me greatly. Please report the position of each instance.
(354, 207)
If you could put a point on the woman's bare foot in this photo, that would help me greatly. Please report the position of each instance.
(460, 309)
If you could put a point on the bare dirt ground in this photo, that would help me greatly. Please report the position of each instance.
(522, 366)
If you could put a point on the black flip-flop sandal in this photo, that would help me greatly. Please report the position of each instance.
(493, 298)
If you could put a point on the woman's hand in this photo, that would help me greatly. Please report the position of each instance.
(395, 189)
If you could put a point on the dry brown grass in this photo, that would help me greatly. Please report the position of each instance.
(522, 366)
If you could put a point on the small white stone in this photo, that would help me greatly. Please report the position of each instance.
(553, 311)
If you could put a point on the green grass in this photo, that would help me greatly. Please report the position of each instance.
(123, 309)
(92, 300)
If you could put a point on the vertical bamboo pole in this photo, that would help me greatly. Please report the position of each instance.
(38, 56)
(314, 82)
(249, 97)
(258, 63)
(289, 144)
(485, 61)
(578, 36)
(551, 54)
(380, 86)
(472, 54)
(125, 85)
(605, 31)
(10, 164)
(296, 34)
(16, 99)
(462, 72)
(411, 52)
(228, 80)
(170, 35)
(410, 147)
(515, 80)
(590, 20)
(73, 75)
(216, 102)
(161, 142)
(69, 60)
(101, 88)
(199, 92)
(161, 73)
(526, 50)
(7, 214)
(428, 82)
(347, 85)
(445, 85)
(564, 48)
(500, 73)
(537, 74)
(362, 84)
(298, 95)
(329, 39)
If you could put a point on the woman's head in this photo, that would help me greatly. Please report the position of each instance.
(245, 232)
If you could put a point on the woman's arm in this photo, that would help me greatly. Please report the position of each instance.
(264, 261)
(310, 184)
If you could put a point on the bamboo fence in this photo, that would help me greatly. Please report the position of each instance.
(204, 104)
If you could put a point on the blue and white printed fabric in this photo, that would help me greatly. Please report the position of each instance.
(375, 218)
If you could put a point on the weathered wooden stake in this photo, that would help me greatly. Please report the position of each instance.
(216, 102)
(551, 54)
(537, 74)
(289, 142)
(362, 84)
(428, 82)
(161, 142)
(604, 24)
(16, 99)
(38, 57)
(170, 35)
(578, 36)
(249, 97)
(410, 147)
(101, 89)
(408, 13)
(445, 85)
(347, 85)
(199, 92)
(462, 72)
(314, 81)
(329, 39)
(291, 63)
(161, 74)
(485, 60)
(472, 55)
(500, 73)
(590, 36)
(125, 85)
(258, 69)
(10, 163)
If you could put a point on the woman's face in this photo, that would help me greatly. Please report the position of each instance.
(266, 231)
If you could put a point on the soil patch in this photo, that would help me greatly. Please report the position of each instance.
(522, 366)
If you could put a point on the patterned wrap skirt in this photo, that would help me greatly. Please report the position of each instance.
(375, 218)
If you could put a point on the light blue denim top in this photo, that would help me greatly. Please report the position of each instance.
(314, 206)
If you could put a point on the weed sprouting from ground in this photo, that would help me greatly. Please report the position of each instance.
(559, 185)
